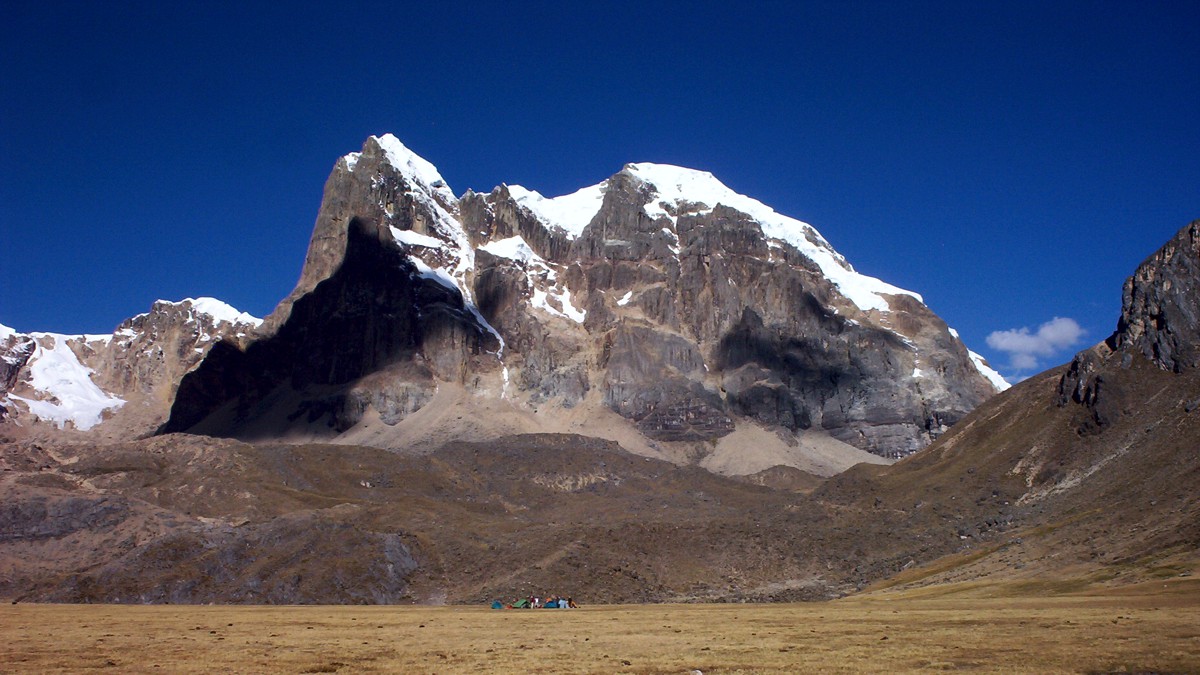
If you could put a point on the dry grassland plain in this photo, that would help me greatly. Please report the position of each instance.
(1154, 628)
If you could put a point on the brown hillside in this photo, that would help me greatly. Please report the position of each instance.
(192, 519)
(1087, 471)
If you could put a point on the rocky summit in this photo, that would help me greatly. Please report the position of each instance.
(658, 309)
(1160, 319)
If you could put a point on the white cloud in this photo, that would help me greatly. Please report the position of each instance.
(1024, 361)
(1027, 348)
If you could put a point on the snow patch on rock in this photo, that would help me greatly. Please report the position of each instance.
(512, 248)
(410, 238)
(221, 311)
(516, 249)
(982, 366)
(677, 188)
(984, 369)
(71, 396)
(448, 280)
(569, 213)
(541, 299)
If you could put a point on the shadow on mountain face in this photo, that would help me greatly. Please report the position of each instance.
(376, 312)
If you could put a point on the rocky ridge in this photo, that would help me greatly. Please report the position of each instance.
(659, 309)
(1160, 322)
(659, 294)
(114, 386)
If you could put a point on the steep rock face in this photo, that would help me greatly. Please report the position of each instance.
(702, 312)
(1160, 322)
(658, 294)
(1160, 312)
(118, 385)
(387, 186)
(15, 350)
(377, 333)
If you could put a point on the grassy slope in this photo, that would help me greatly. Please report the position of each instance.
(1116, 504)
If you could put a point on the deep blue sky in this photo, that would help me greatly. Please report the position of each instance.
(1011, 161)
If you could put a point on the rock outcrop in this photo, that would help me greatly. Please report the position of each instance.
(1160, 313)
(1159, 323)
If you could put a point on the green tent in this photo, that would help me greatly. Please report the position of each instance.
(523, 603)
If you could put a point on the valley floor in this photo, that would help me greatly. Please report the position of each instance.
(1153, 627)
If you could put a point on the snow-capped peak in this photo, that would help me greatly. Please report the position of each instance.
(417, 170)
(6, 332)
(444, 252)
(429, 189)
(677, 186)
(218, 310)
(414, 167)
(222, 311)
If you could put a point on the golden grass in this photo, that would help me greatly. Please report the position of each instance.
(1155, 627)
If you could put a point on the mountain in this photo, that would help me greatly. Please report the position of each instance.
(369, 441)
(658, 309)
(111, 386)
(1033, 492)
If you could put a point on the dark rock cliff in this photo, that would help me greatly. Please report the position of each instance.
(1160, 312)
(375, 313)
(1160, 322)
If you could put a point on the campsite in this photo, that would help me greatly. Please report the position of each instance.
(1154, 627)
